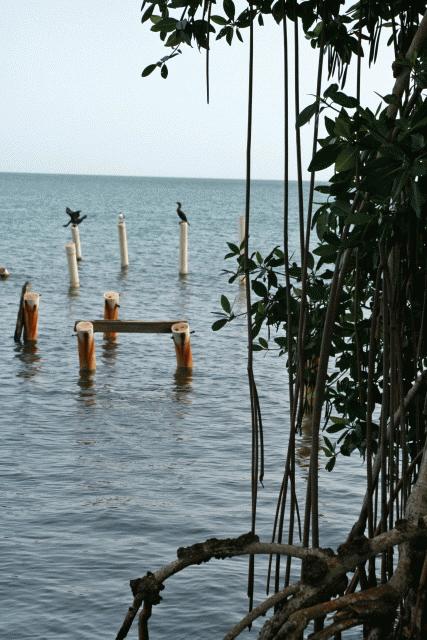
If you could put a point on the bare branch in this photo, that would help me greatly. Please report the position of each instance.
(261, 609)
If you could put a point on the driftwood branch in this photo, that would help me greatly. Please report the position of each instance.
(322, 569)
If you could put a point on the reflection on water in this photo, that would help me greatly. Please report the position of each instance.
(122, 275)
(87, 393)
(109, 350)
(303, 445)
(73, 292)
(183, 385)
(27, 353)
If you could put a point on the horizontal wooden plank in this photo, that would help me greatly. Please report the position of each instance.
(132, 326)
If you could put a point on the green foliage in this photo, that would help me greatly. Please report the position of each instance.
(376, 196)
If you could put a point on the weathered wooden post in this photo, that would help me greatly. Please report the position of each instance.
(124, 258)
(73, 271)
(31, 316)
(86, 346)
(111, 310)
(181, 338)
(76, 239)
(4, 273)
(183, 248)
(20, 317)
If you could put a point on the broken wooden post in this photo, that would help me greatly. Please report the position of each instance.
(31, 316)
(73, 271)
(20, 317)
(76, 239)
(4, 273)
(86, 346)
(183, 248)
(124, 258)
(111, 310)
(181, 338)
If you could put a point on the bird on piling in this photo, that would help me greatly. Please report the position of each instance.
(181, 213)
(74, 217)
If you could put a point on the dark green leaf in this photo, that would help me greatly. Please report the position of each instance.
(331, 464)
(225, 304)
(259, 288)
(344, 101)
(346, 159)
(219, 324)
(233, 247)
(229, 8)
(165, 25)
(334, 428)
(164, 71)
(148, 70)
(219, 20)
(325, 250)
(324, 157)
(306, 114)
(147, 14)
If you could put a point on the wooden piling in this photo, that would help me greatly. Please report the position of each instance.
(86, 346)
(20, 317)
(4, 273)
(31, 316)
(73, 271)
(183, 248)
(111, 311)
(123, 242)
(76, 239)
(181, 338)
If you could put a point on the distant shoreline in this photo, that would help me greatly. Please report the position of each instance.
(106, 175)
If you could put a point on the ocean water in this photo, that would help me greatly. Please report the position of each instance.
(103, 478)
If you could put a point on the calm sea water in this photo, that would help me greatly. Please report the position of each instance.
(102, 481)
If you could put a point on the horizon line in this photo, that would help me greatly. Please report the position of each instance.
(108, 175)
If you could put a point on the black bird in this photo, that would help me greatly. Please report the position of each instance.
(181, 213)
(74, 217)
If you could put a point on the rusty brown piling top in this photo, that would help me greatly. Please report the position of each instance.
(132, 326)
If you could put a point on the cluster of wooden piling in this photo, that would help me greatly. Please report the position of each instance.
(110, 326)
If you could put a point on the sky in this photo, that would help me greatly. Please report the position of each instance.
(73, 99)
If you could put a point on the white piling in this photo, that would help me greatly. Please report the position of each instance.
(76, 239)
(4, 273)
(73, 271)
(183, 248)
(124, 258)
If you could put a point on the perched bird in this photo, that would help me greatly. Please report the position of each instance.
(74, 217)
(181, 213)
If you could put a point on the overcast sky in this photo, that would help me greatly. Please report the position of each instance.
(73, 100)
